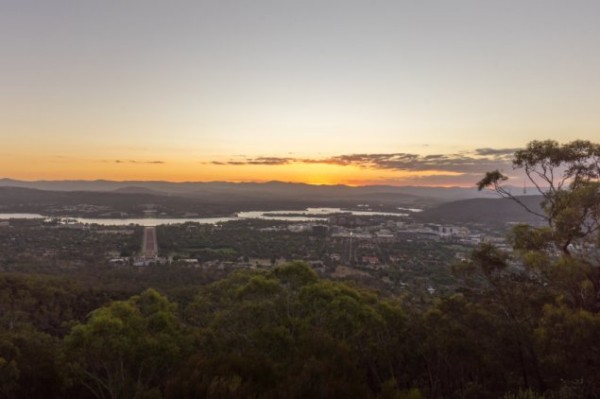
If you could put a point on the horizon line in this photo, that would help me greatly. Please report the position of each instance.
(235, 182)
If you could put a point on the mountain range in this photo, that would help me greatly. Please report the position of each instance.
(270, 190)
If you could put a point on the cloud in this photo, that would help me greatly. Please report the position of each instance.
(234, 163)
(268, 161)
(473, 162)
(497, 152)
(131, 161)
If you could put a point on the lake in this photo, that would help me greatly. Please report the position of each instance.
(304, 215)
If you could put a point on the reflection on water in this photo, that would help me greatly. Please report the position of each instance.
(4, 216)
(304, 215)
(148, 222)
(311, 214)
(414, 210)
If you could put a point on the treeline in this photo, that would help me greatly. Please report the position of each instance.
(285, 333)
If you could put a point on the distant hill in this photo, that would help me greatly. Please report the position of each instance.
(499, 210)
(137, 190)
(26, 197)
(270, 190)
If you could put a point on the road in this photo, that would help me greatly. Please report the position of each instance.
(349, 251)
(149, 243)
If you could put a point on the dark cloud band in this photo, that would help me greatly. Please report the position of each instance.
(131, 161)
(477, 161)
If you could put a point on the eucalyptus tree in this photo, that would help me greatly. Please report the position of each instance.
(126, 349)
(563, 256)
(567, 176)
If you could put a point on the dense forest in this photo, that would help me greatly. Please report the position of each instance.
(524, 323)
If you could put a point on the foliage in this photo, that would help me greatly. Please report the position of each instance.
(30, 365)
(567, 176)
(286, 333)
(126, 347)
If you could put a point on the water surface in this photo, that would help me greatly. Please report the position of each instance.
(303, 215)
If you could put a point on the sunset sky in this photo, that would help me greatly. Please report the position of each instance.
(324, 92)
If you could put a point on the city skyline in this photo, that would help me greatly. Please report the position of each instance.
(335, 92)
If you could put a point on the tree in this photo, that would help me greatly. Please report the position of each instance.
(510, 298)
(30, 364)
(568, 178)
(126, 349)
(563, 257)
(287, 333)
(568, 341)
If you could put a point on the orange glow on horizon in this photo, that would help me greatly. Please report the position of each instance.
(201, 171)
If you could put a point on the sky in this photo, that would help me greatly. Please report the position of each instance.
(324, 92)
